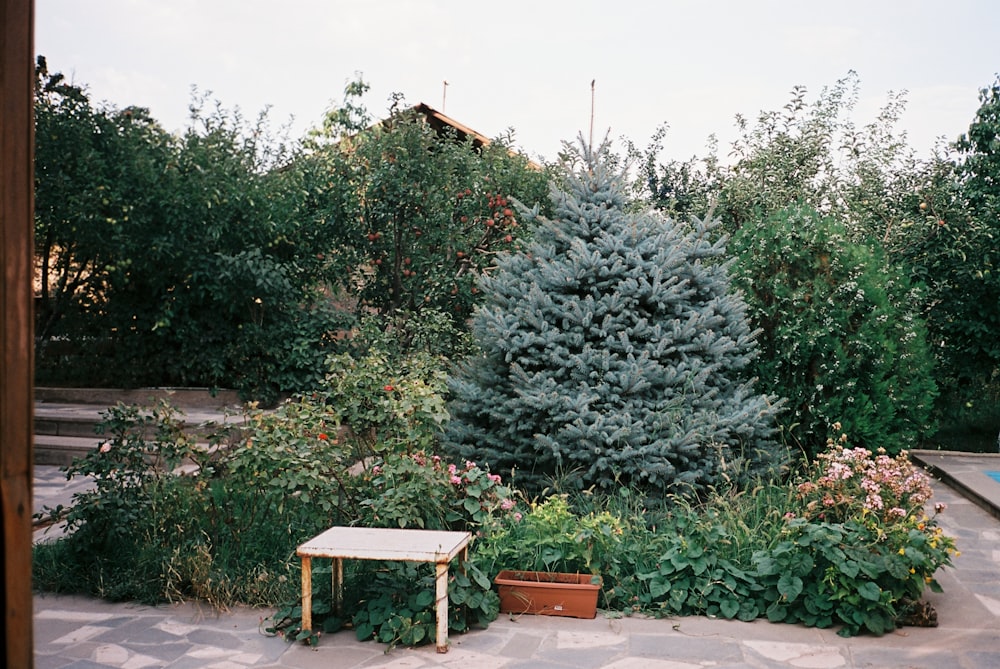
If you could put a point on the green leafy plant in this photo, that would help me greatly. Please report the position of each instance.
(550, 536)
(692, 574)
(388, 403)
(421, 490)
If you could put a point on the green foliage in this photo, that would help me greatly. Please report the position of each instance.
(613, 352)
(170, 260)
(959, 253)
(395, 604)
(550, 536)
(419, 213)
(935, 218)
(420, 490)
(171, 518)
(845, 543)
(693, 576)
(388, 404)
(839, 337)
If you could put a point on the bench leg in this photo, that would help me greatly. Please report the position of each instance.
(441, 592)
(307, 593)
(337, 571)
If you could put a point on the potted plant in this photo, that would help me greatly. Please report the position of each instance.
(548, 593)
(548, 560)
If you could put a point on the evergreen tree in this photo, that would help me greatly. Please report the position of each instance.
(612, 352)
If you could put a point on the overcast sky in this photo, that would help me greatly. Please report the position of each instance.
(528, 65)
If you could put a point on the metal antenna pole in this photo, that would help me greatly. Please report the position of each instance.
(592, 82)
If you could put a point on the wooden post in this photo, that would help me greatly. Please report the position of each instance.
(441, 605)
(17, 80)
(307, 594)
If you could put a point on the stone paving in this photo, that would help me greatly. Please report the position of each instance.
(82, 633)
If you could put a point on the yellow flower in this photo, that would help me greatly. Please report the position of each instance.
(902, 551)
(912, 570)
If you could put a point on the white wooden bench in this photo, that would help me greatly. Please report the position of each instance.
(367, 543)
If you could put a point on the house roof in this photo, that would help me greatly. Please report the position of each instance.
(439, 122)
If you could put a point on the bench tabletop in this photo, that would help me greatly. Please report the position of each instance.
(371, 543)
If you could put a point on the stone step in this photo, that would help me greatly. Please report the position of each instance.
(81, 420)
(61, 450)
(64, 432)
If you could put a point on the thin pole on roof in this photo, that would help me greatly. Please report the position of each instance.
(444, 95)
(592, 82)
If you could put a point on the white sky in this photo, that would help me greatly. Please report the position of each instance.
(692, 64)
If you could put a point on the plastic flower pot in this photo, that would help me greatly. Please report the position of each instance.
(548, 593)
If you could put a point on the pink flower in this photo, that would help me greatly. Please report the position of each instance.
(495, 478)
(457, 480)
(518, 516)
(105, 447)
(452, 469)
(507, 504)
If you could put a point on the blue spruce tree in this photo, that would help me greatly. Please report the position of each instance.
(613, 352)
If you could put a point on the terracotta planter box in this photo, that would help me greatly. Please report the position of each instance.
(548, 593)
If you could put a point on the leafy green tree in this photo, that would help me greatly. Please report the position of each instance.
(167, 260)
(973, 295)
(613, 352)
(839, 337)
(419, 215)
(907, 212)
(810, 153)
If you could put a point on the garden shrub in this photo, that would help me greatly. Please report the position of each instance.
(859, 548)
(226, 530)
(839, 336)
(613, 353)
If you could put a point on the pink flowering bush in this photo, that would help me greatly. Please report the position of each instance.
(860, 549)
(421, 490)
(846, 483)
